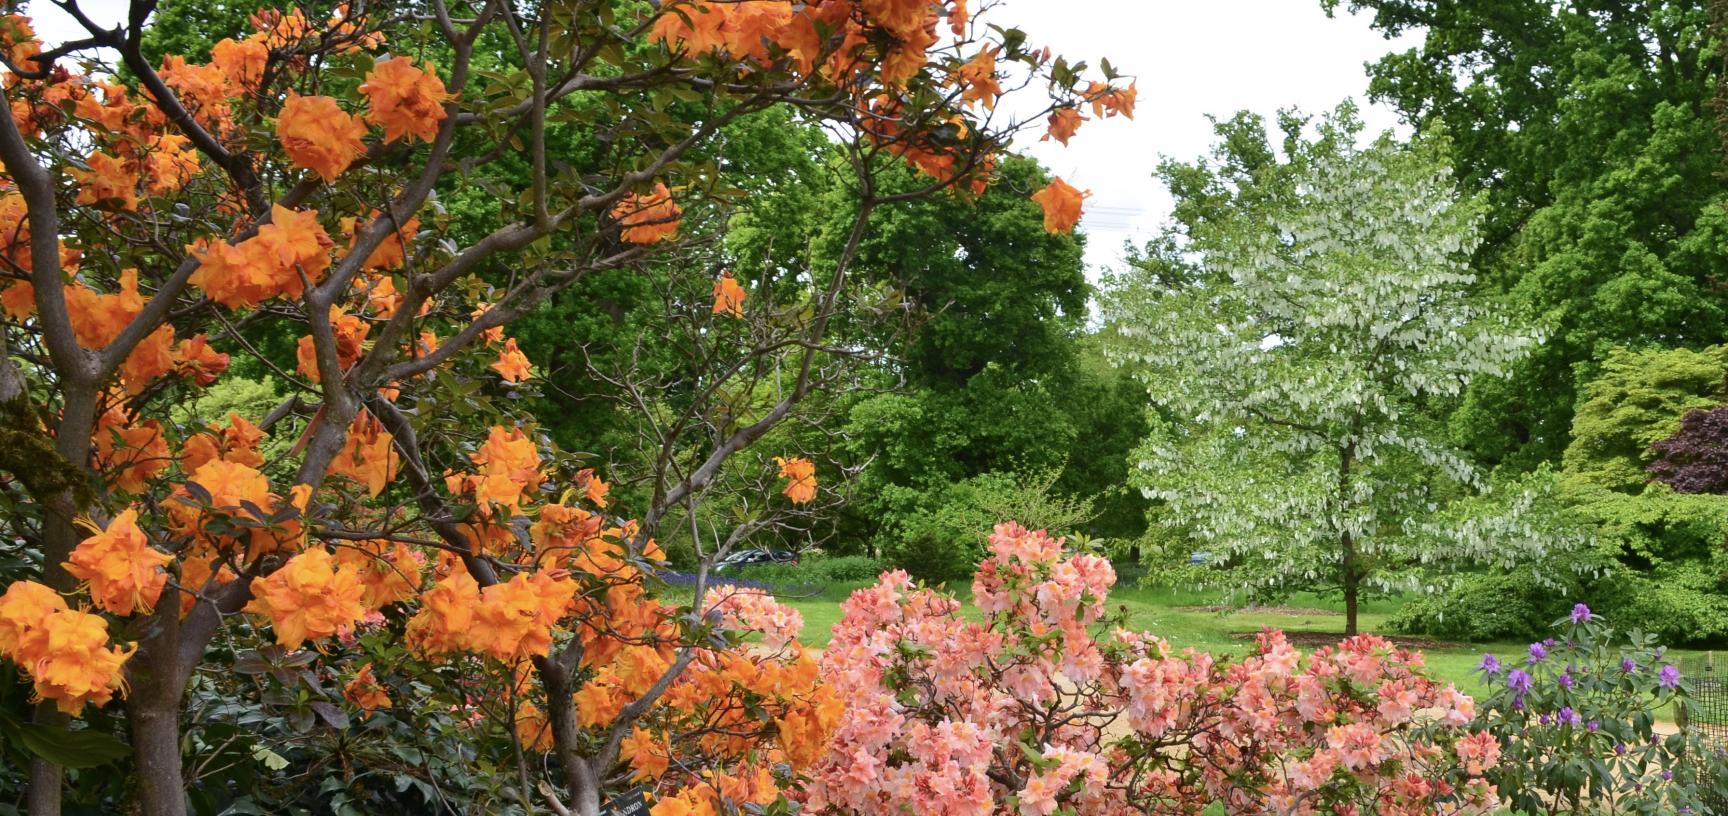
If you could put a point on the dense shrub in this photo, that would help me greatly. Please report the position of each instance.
(1481, 608)
(942, 535)
(1049, 706)
(811, 572)
(1575, 717)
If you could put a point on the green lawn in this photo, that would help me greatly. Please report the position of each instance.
(1179, 616)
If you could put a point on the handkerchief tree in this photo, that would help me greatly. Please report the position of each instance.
(277, 208)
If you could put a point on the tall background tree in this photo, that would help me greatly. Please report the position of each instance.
(1326, 305)
(1590, 130)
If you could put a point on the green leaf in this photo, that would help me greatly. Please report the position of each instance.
(70, 749)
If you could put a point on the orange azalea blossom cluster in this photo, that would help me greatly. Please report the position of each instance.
(1061, 204)
(365, 692)
(136, 156)
(1043, 709)
(66, 652)
(648, 219)
(729, 296)
(800, 476)
(893, 39)
(762, 749)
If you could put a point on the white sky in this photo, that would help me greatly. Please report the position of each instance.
(1192, 58)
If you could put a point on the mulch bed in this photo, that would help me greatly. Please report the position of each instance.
(1264, 610)
(1313, 639)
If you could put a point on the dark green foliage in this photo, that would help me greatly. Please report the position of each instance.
(1591, 131)
(940, 534)
(1659, 555)
(1485, 608)
(999, 378)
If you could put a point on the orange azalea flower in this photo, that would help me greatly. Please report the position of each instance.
(445, 621)
(800, 476)
(309, 598)
(203, 89)
(269, 264)
(170, 162)
(197, 361)
(76, 665)
(1061, 204)
(406, 101)
(318, 135)
(978, 79)
(130, 454)
(512, 364)
(599, 702)
(108, 182)
(1118, 102)
(236, 443)
(368, 455)
(350, 330)
(241, 62)
(390, 571)
(231, 483)
(1064, 122)
(648, 219)
(695, 26)
(390, 253)
(514, 619)
(365, 692)
(593, 487)
(509, 465)
(729, 296)
(804, 729)
(533, 730)
(24, 608)
(150, 359)
(649, 754)
(98, 318)
(123, 572)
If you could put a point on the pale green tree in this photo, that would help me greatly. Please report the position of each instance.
(1299, 370)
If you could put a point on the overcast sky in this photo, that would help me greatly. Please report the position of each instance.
(1192, 58)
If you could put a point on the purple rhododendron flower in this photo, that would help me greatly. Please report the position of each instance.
(1490, 664)
(1566, 681)
(1538, 652)
(1580, 613)
(1670, 676)
(1627, 665)
(1593, 725)
(1518, 680)
(1568, 716)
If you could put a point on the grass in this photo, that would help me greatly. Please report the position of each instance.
(1180, 616)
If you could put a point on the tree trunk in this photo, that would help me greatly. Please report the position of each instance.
(1350, 568)
(566, 735)
(153, 712)
(1352, 587)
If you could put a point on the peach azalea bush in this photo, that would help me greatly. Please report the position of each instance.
(1049, 706)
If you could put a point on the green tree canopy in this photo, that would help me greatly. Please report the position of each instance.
(1294, 374)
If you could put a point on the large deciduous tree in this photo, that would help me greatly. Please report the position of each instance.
(1291, 367)
(1591, 128)
(353, 204)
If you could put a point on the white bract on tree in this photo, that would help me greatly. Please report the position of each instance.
(1301, 360)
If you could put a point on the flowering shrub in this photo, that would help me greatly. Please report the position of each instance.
(300, 204)
(1575, 720)
(1047, 707)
